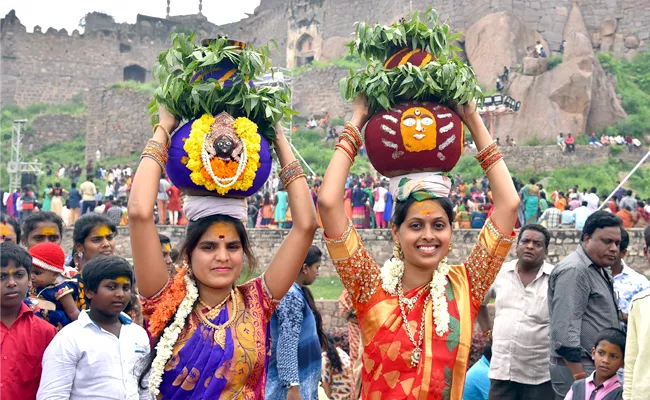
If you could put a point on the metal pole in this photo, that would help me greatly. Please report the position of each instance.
(15, 159)
(302, 159)
(625, 179)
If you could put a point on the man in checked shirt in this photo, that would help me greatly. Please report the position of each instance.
(581, 300)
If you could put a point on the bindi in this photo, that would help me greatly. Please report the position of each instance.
(222, 230)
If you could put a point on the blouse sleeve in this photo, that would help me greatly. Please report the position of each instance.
(358, 271)
(257, 295)
(64, 289)
(485, 260)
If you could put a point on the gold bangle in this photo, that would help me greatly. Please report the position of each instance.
(303, 175)
(487, 149)
(162, 168)
(342, 150)
(169, 137)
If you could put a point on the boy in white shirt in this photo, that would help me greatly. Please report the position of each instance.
(102, 354)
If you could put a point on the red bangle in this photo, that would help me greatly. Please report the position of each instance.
(348, 153)
(350, 141)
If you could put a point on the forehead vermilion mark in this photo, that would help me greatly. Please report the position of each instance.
(610, 348)
(104, 231)
(427, 207)
(48, 231)
(222, 230)
(122, 280)
(167, 247)
(4, 230)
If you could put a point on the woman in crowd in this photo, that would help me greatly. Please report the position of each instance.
(359, 198)
(212, 338)
(426, 357)
(47, 198)
(641, 216)
(337, 375)
(174, 206)
(74, 204)
(267, 211)
(281, 207)
(530, 197)
(93, 235)
(57, 194)
(295, 364)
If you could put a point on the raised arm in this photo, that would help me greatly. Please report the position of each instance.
(506, 200)
(290, 257)
(332, 190)
(150, 270)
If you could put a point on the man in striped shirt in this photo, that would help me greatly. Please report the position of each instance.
(519, 367)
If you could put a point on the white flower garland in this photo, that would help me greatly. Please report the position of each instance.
(169, 337)
(391, 276)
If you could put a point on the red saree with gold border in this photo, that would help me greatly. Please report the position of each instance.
(387, 371)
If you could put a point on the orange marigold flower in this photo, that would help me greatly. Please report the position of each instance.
(222, 169)
(163, 308)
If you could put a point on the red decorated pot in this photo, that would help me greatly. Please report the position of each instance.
(414, 137)
(415, 57)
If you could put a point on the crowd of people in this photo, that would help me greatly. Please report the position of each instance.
(177, 324)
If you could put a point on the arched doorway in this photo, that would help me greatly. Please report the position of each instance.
(135, 73)
(304, 50)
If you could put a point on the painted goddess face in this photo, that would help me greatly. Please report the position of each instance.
(418, 128)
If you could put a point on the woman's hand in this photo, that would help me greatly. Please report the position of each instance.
(360, 111)
(167, 119)
(467, 112)
(279, 132)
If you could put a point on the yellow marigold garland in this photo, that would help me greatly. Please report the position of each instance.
(247, 132)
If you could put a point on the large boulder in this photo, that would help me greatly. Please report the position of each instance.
(535, 65)
(574, 23)
(555, 101)
(577, 46)
(575, 96)
(606, 107)
(498, 40)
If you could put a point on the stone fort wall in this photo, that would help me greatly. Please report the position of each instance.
(53, 66)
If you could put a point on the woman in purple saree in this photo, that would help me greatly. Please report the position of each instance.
(212, 335)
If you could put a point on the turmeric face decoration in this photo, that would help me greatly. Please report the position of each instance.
(418, 128)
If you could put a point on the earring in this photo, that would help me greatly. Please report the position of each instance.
(397, 250)
(451, 247)
(187, 267)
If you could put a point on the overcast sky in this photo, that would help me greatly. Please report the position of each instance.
(67, 13)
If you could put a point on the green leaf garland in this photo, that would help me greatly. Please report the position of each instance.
(185, 99)
(447, 79)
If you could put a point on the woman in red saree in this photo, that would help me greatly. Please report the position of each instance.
(427, 357)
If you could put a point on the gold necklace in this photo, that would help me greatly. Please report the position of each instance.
(416, 355)
(410, 303)
(220, 330)
(214, 311)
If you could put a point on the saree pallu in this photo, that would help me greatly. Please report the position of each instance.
(200, 368)
(387, 372)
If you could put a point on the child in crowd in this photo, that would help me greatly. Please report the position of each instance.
(102, 352)
(23, 336)
(49, 284)
(608, 358)
(41, 227)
